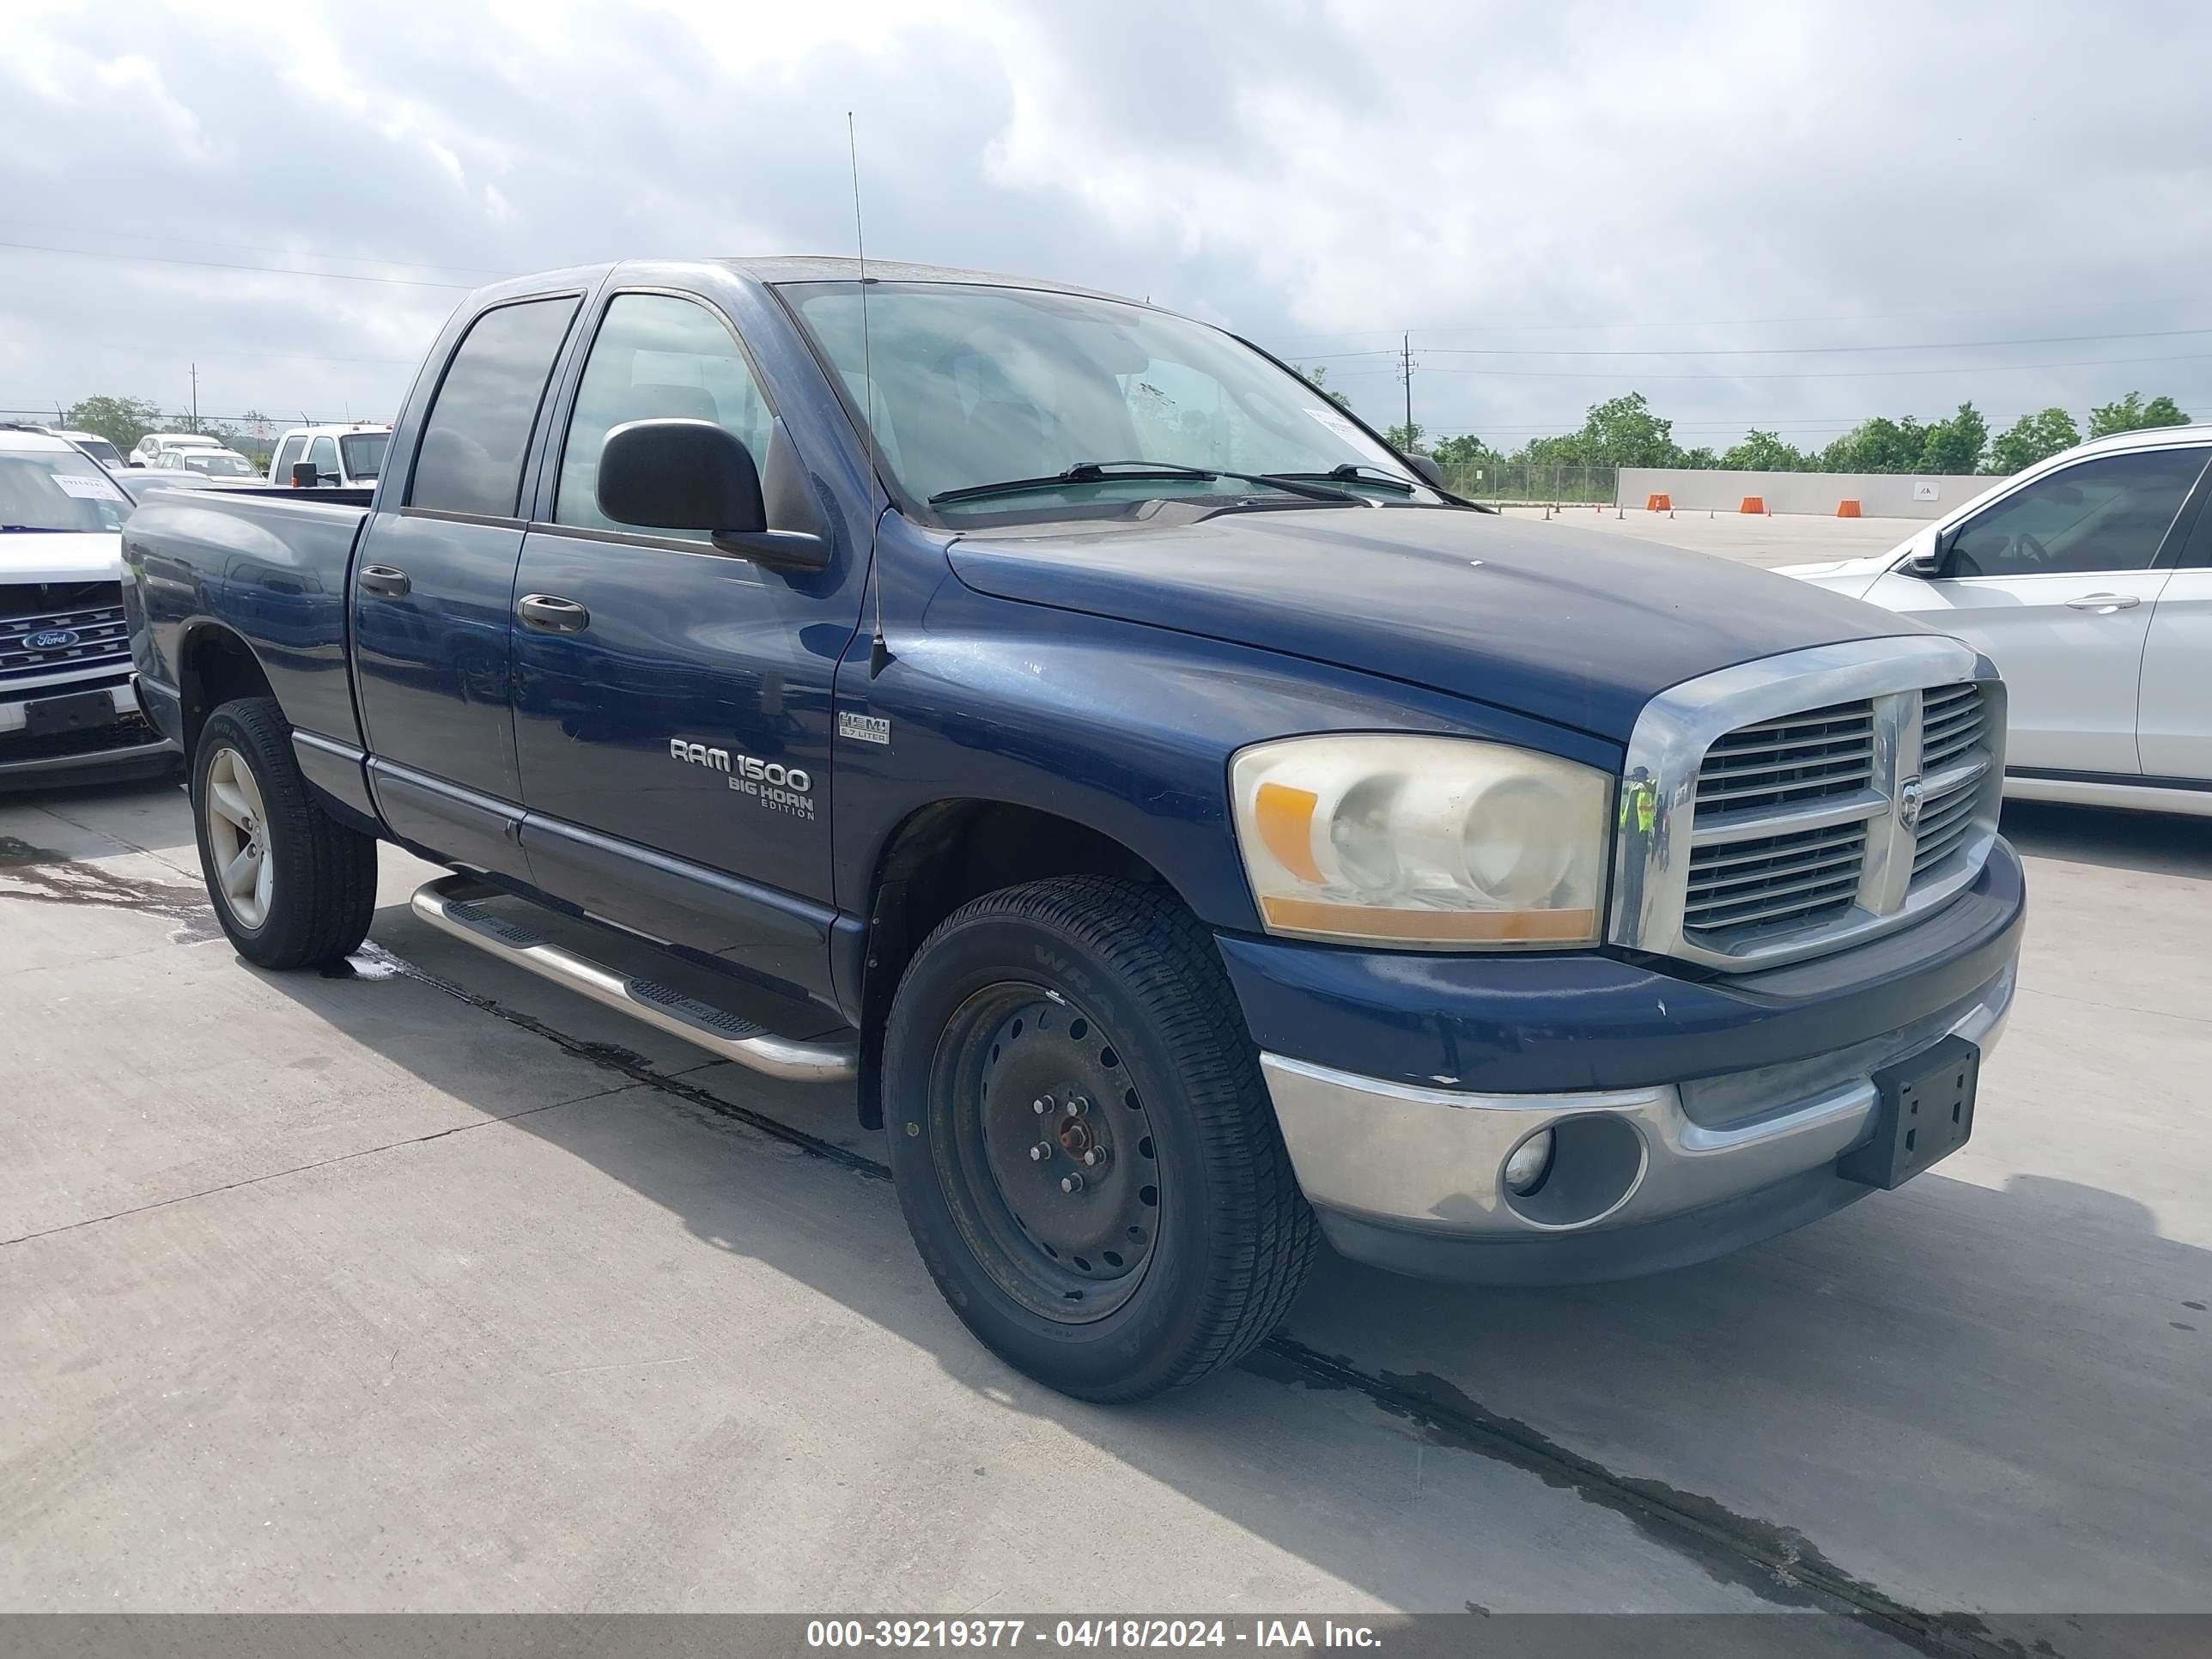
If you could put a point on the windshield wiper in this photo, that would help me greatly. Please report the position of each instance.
(1359, 472)
(1097, 472)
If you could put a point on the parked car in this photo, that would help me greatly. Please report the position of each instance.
(68, 710)
(343, 457)
(2088, 578)
(217, 466)
(1191, 855)
(93, 445)
(156, 444)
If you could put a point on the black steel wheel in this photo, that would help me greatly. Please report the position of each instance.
(1082, 1143)
(1044, 1152)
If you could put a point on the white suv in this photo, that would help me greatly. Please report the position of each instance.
(2087, 580)
(155, 444)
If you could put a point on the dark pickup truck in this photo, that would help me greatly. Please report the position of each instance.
(1208, 833)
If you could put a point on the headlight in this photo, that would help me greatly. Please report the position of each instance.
(1440, 843)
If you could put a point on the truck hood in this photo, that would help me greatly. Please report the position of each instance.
(1573, 627)
(62, 556)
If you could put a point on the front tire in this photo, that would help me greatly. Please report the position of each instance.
(1082, 1142)
(292, 887)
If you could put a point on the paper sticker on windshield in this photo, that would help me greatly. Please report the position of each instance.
(1341, 426)
(87, 489)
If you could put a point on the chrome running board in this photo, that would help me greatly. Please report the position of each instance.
(455, 904)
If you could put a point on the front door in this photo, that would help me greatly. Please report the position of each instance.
(2056, 583)
(434, 586)
(673, 701)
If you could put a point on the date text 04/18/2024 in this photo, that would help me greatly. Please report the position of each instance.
(1087, 1633)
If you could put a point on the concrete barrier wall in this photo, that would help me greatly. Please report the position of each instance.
(1880, 494)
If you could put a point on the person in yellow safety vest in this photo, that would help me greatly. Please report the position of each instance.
(1640, 807)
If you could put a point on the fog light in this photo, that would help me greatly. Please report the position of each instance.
(1530, 1163)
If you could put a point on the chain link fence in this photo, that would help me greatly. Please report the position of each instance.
(1522, 481)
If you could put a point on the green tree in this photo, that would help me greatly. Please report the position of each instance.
(1318, 377)
(1879, 444)
(1764, 451)
(1701, 458)
(1407, 439)
(1954, 446)
(2132, 414)
(2031, 438)
(1465, 450)
(1623, 432)
(121, 420)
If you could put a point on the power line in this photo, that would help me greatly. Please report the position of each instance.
(251, 247)
(213, 265)
(231, 353)
(1794, 374)
(1772, 351)
(1740, 322)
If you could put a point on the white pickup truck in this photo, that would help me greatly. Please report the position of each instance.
(68, 710)
(343, 457)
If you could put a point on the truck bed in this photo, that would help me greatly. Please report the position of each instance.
(271, 565)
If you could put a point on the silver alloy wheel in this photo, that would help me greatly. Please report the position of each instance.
(238, 838)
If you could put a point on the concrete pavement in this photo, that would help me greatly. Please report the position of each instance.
(431, 1286)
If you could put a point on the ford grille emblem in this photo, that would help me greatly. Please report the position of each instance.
(51, 639)
(1909, 794)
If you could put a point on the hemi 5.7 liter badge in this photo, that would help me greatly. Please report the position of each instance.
(864, 728)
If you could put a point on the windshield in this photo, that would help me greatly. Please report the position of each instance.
(978, 386)
(100, 450)
(364, 453)
(57, 491)
(218, 465)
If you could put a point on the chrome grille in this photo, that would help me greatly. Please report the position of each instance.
(1953, 759)
(1796, 804)
(102, 639)
(1802, 876)
(1755, 769)
(1764, 876)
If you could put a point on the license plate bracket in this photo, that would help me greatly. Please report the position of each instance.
(81, 712)
(1926, 1113)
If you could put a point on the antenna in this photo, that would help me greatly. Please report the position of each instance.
(879, 654)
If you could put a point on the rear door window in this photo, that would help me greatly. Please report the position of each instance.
(364, 455)
(478, 427)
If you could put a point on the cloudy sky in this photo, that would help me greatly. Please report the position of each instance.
(1787, 215)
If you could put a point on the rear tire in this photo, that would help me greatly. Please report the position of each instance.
(292, 887)
(1183, 1242)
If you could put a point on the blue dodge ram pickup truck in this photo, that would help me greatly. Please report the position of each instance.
(1208, 834)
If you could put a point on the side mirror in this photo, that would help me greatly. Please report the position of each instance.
(695, 474)
(1431, 473)
(305, 475)
(1924, 556)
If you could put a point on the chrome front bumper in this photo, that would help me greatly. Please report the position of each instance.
(1374, 1156)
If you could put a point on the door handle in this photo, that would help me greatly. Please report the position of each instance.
(551, 614)
(383, 579)
(2105, 603)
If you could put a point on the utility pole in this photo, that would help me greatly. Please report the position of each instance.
(1405, 373)
(196, 396)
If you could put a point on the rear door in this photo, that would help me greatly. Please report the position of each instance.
(434, 585)
(673, 712)
(2174, 722)
(2057, 581)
